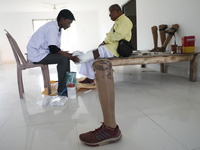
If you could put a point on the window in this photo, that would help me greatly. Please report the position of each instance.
(69, 36)
(39, 22)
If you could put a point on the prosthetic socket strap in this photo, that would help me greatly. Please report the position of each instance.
(171, 31)
(163, 27)
(86, 57)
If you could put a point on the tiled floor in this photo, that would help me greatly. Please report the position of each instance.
(155, 111)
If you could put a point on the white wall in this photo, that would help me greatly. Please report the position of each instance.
(156, 12)
(105, 23)
(20, 27)
(0, 60)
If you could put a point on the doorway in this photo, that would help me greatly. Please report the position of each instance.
(129, 9)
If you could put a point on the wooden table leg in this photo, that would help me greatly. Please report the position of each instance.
(143, 66)
(193, 68)
(162, 68)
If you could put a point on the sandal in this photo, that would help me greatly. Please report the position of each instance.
(87, 80)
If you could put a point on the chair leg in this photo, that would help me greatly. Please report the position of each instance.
(46, 78)
(20, 83)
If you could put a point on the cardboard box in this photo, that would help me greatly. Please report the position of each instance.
(188, 44)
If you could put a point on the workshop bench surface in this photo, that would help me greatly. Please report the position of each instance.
(159, 58)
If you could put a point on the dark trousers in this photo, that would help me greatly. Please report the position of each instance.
(63, 66)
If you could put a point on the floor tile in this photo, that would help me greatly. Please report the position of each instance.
(60, 135)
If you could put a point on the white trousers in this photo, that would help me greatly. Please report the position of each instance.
(86, 68)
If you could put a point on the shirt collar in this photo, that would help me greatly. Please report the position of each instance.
(119, 17)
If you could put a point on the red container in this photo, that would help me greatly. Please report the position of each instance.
(188, 43)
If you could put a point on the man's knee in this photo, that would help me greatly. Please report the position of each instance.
(64, 61)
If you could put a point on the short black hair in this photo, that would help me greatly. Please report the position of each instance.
(116, 7)
(66, 14)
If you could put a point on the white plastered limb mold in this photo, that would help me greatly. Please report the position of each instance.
(86, 57)
(77, 53)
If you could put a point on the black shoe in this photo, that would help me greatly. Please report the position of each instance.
(87, 80)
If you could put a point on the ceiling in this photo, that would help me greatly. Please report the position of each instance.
(50, 5)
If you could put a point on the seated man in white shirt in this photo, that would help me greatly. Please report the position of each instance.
(44, 47)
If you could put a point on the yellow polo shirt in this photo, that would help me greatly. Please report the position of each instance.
(120, 30)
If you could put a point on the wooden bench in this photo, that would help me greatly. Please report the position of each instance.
(159, 59)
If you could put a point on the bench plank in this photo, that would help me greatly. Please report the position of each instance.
(158, 59)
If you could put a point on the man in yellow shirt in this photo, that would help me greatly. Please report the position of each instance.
(109, 131)
(108, 48)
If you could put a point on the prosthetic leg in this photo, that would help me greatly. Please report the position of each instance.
(162, 31)
(155, 37)
(105, 85)
(164, 41)
(170, 32)
(109, 131)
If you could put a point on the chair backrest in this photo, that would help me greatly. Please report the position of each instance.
(16, 50)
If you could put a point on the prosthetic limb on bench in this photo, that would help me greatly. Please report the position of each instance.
(170, 32)
(164, 41)
(155, 37)
(162, 30)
